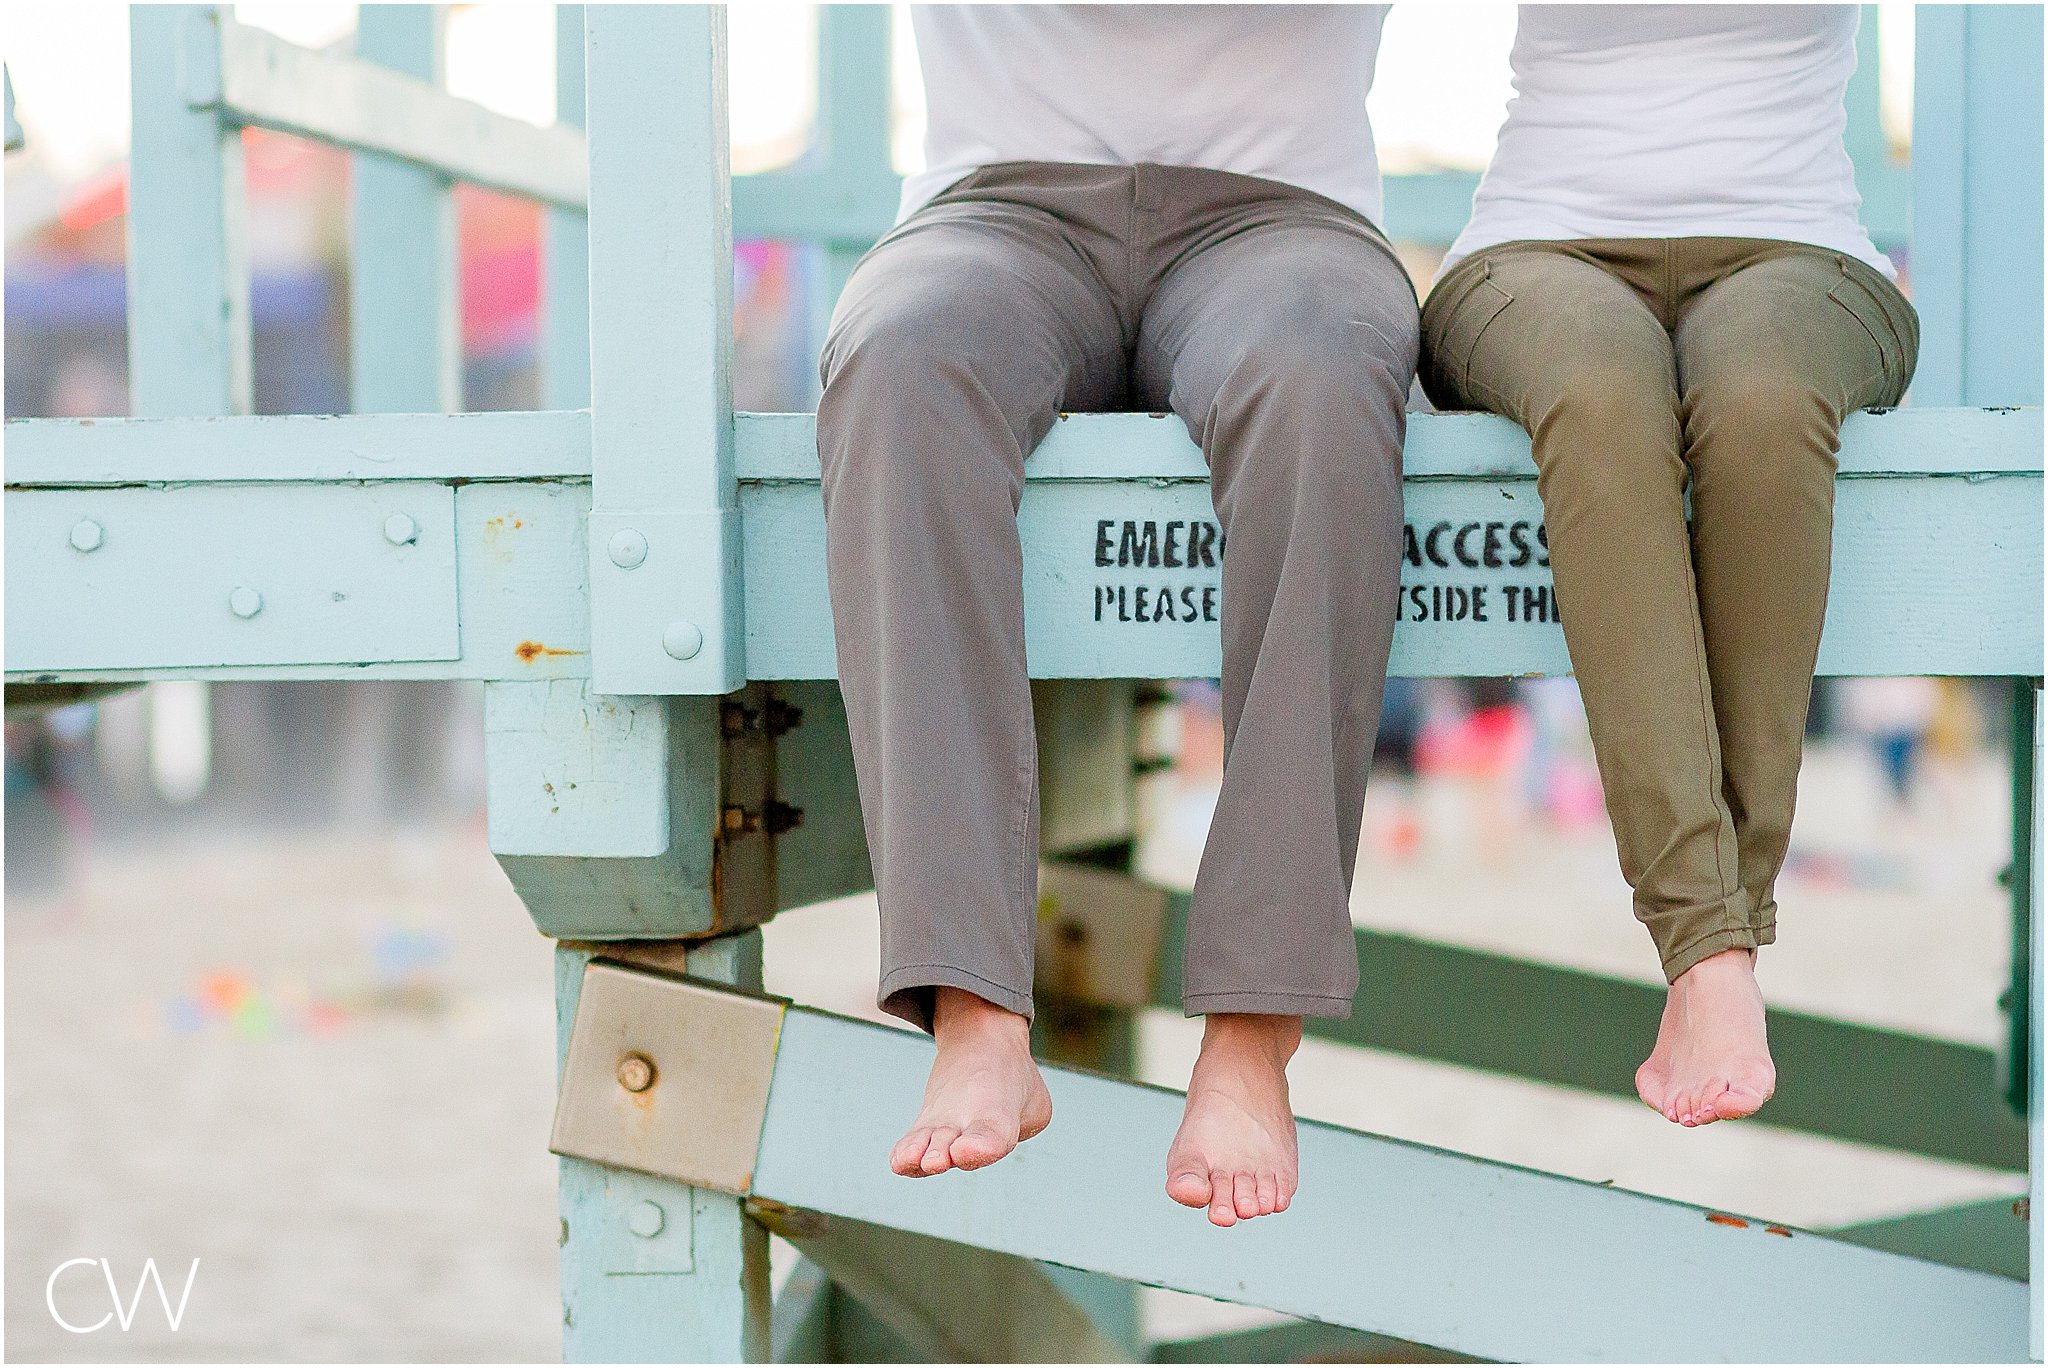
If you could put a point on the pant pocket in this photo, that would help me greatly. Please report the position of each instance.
(1455, 330)
(1895, 338)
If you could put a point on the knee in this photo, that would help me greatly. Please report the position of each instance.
(1325, 395)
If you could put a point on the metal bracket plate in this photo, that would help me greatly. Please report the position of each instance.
(142, 578)
(691, 1108)
(665, 612)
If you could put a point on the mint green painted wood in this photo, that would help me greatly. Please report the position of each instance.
(259, 80)
(781, 448)
(188, 263)
(1938, 537)
(565, 285)
(298, 448)
(602, 808)
(217, 575)
(1977, 218)
(1433, 1247)
(2038, 1043)
(405, 339)
(628, 1298)
(14, 138)
(661, 359)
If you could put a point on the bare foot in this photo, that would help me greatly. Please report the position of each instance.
(1711, 1062)
(1235, 1151)
(984, 1095)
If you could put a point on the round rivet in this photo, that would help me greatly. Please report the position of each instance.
(682, 639)
(86, 535)
(628, 548)
(245, 602)
(636, 1073)
(400, 529)
(645, 1220)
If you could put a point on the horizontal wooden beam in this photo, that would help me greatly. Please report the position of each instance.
(1583, 1030)
(1990, 1235)
(1388, 1237)
(260, 80)
(1937, 563)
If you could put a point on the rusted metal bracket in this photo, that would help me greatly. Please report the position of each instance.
(667, 1077)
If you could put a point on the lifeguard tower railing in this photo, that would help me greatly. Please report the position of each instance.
(636, 576)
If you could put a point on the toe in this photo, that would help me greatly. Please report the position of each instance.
(1223, 1189)
(1287, 1185)
(979, 1146)
(938, 1155)
(905, 1158)
(1247, 1187)
(1269, 1194)
(1189, 1187)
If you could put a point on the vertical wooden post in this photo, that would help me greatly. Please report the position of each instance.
(188, 260)
(1977, 203)
(854, 107)
(565, 299)
(665, 601)
(654, 1271)
(405, 337)
(2037, 1248)
(1977, 240)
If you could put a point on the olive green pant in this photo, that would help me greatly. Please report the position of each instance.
(1644, 369)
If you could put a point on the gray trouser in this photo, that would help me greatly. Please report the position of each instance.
(1282, 330)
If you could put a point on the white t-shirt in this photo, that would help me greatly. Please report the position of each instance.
(1651, 121)
(1276, 91)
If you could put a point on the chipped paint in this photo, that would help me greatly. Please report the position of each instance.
(1719, 1218)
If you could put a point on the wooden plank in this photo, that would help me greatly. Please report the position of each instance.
(254, 78)
(1990, 1236)
(1935, 573)
(188, 261)
(112, 452)
(949, 1302)
(1588, 1031)
(1135, 446)
(1299, 1341)
(405, 329)
(654, 1271)
(565, 276)
(1435, 1248)
(665, 614)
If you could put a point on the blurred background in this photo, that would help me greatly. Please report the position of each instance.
(271, 1004)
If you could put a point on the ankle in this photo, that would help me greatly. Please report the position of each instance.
(1739, 962)
(959, 1016)
(1267, 1035)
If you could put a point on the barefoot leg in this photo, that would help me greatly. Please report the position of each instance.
(1235, 1151)
(984, 1096)
(1712, 1061)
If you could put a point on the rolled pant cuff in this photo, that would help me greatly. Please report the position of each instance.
(1275, 1004)
(907, 992)
(1731, 938)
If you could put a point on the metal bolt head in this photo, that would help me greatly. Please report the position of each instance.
(86, 535)
(645, 1219)
(682, 639)
(401, 530)
(628, 548)
(245, 602)
(636, 1073)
